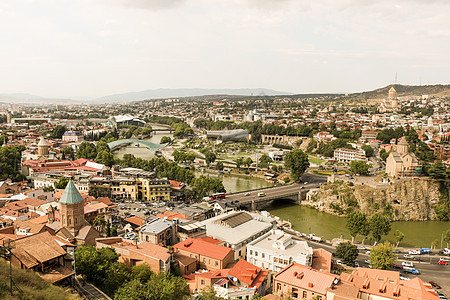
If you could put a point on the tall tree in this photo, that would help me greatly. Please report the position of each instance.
(58, 131)
(356, 223)
(348, 252)
(379, 226)
(399, 236)
(297, 162)
(359, 167)
(382, 256)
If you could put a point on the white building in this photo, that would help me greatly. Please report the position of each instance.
(73, 136)
(237, 229)
(344, 154)
(276, 249)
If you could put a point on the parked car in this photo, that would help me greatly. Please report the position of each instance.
(247, 194)
(443, 262)
(414, 252)
(339, 262)
(408, 264)
(396, 251)
(397, 266)
(408, 256)
(411, 270)
(425, 251)
(435, 284)
(367, 261)
(361, 248)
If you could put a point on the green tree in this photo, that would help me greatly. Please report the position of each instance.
(58, 131)
(3, 139)
(359, 167)
(382, 257)
(297, 162)
(61, 183)
(68, 151)
(356, 223)
(86, 150)
(105, 157)
(210, 157)
(379, 225)
(446, 237)
(10, 158)
(203, 186)
(383, 154)
(348, 252)
(248, 162)
(368, 150)
(161, 286)
(165, 140)
(208, 294)
(264, 161)
(399, 236)
(438, 171)
(239, 162)
(219, 165)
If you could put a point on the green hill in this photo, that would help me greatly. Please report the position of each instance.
(32, 286)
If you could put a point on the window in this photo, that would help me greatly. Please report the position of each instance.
(278, 286)
(262, 255)
(295, 293)
(203, 282)
(204, 260)
(217, 263)
(251, 252)
(256, 253)
(305, 293)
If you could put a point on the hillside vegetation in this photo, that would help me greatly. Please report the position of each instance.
(32, 286)
(403, 90)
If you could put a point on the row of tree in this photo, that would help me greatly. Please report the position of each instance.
(10, 158)
(358, 223)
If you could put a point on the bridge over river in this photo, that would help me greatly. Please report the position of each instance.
(295, 192)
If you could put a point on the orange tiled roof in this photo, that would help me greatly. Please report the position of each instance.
(198, 246)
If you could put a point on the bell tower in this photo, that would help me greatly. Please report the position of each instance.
(72, 209)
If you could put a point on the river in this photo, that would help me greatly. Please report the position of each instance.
(309, 220)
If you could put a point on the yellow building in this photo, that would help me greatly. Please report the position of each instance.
(391, 103)
(154, 189)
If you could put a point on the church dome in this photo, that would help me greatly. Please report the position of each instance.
(42, 142)
(71, 195)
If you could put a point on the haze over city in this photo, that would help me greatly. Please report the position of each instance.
(88, 49)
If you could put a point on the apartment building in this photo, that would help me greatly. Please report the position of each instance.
(276, 249)
(344, 154)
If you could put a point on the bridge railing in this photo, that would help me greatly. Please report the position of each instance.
(261, 189)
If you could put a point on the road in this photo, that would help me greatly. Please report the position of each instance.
(429, 269)
(309, 181)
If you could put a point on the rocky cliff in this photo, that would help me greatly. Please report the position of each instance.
(412, 199)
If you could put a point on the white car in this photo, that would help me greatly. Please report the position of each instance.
(408, 256)
(361, 248)
(339, 262)
(414, 252)
(407, 264)
(367, 261)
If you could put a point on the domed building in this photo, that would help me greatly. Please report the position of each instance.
(401, 163)
(42, 147)
(391, 102)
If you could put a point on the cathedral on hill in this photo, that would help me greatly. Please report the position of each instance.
(391, 102)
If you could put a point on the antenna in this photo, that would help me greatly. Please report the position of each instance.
(395, 80)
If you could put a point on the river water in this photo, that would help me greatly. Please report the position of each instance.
(309, 220)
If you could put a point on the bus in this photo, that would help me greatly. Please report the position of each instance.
(218, 196)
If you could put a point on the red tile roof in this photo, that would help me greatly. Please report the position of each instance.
(306, 278)
(248, 273)
(198, 246)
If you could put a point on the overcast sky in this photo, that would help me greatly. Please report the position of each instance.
(68, 48)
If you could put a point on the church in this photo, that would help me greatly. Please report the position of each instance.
(391, 103)
(400, 162)
(72, 224)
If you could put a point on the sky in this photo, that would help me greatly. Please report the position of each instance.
(93, 48)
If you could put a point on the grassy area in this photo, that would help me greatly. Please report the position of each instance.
(32, 286)
(315, 160)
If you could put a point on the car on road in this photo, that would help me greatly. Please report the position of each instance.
(367, 261)
(339, 262)
(368, 252)
(361, 248)
(397, 266)
(411, 270)
(435, 284)
(407, 264)
(408, 256)
(443, 262)
(414, 252)
(247, 194)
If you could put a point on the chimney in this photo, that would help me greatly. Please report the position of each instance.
(310, 284)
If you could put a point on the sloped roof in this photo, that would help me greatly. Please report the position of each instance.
(248, 273)
(71, 194)
(201, 247)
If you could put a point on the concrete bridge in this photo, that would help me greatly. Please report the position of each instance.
(250, 200)
(163, 129)
(123, 143)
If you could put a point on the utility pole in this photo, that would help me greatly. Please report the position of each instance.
(6, 253)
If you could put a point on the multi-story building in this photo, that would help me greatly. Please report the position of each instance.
(367, 135)
(344, 154)
(134, 254)
(210, 256)
(154, 189)
(238, 229)
(301, 282)
(276, 249)
(73, 136)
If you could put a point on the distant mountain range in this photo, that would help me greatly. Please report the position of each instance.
(402, 90)
(179, 93)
